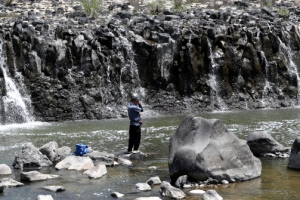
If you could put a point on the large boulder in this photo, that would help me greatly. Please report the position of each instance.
(261, 143)
(204, 148)
(30, 157)
(294, 159)
(50, 150)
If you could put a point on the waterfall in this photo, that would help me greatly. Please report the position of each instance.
(129, 66)
(285, 54)
(213, 82)
(267, 85)
(15, 109)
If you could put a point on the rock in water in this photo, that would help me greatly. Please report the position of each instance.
(294, 159)
(202, 148)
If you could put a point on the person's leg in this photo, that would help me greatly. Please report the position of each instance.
(131, 138)
(137, 138)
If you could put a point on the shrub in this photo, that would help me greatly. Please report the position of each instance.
(91, 7)
(156, 6)
(178, 5)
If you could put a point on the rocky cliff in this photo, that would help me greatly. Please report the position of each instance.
(75, 67)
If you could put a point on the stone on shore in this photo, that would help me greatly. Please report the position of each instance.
(8, 182)
(36, 176)
(5, 169)
(262, 143)
(143, 186)
(117, 195)
(196, 192)
(75, 163)
(1, 188)
(54, 188)
(203, 148)
(154, 181)
(96, 171)
(294, 159)
(211, 195)
(167, 190)
(30, 157)
(124, 162)
(50, 150)
(44, 197)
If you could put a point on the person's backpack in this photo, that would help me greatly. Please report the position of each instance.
(80, 149)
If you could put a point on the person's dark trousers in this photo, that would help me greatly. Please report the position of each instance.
(134, 138)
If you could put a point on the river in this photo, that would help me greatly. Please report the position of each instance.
(276, 182)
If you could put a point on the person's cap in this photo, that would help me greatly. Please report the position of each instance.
(135, 98)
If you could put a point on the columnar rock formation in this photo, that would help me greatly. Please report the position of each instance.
(76, 67)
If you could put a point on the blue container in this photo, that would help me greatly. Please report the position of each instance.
(80, 149)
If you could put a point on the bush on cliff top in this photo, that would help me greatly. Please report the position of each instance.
(91, 7)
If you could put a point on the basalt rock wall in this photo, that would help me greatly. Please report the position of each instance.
(75, 67)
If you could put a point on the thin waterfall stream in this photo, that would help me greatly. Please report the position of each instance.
(15, 109)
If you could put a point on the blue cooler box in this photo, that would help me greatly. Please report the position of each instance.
(80, 149)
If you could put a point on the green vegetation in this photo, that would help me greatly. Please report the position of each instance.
(91, 7)
(156, 6)
(178, 5)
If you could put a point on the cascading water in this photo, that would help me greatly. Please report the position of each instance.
(212, 82)
(286, 56)
(129, 66)
(14, 109)
(267, 85)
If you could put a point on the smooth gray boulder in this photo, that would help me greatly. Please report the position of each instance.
(262, 143)
(62, 153)
(124, 162)
(36, 176)
(5, 169)
(211, 195)
(154, 181)
(143, 186)
(294, 159)
(44, 197)
(50, 150)
(30, 157)
(167, 190)
(117, 195)
(203, 148)
(96, 171)
(8, 182)
(54, 188)
(75, 163)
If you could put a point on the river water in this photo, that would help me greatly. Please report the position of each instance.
(276, 182)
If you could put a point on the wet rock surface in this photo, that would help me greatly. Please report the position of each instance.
(201, 59)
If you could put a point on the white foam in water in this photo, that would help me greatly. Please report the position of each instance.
(29, 125)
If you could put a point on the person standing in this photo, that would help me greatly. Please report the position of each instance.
(134, 113)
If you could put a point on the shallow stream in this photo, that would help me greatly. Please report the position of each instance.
(276, 182)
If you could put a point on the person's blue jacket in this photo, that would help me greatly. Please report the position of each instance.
(134, 114)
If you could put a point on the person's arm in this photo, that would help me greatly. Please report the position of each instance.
(141, 107)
